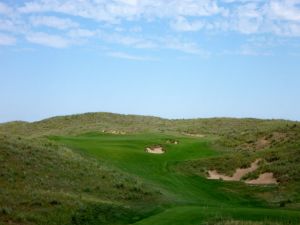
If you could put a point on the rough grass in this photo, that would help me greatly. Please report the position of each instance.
(282, 162)
(94, 170)
(232, 132)
(43, 183)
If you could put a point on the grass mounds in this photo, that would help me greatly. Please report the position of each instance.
(224, 164)
(284, 163)
(263, 179)
(43, 183)
(238, 174)
(88, 122)
(91, 169)
(105, 214)
(221, 221)
(264, 135)
(247, 134)
(278, 164)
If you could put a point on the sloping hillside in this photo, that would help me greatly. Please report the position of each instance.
(81, 123)
(94, 169)
(43, 183)
(234, 133)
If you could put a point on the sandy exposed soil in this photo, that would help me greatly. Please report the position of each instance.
(265, 178)
(114, 132)
(239, 173)
(174, 142)
(262, 143)
(195, 135)
(155, 150)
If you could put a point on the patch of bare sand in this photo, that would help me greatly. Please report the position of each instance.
(174, 142)
(155, 150)
(265, 178)
(114, 132)
(195, 135)
(262, 143)
(239, 173)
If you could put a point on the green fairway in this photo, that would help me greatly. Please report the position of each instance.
(191, 199)
(192, 215)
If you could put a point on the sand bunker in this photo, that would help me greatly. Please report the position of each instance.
(155, 150)
(265, 178)
(114, 132)
(194, 135)
(174, 142)
(239, 173)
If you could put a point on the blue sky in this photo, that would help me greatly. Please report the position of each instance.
(169, 58)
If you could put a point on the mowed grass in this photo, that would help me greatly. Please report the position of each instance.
(193, 215)
(192, 199)
(127, 152)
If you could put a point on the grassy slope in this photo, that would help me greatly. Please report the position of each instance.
(175, 174)
(42, 183)
(77, 124)
(190, 215)
(192, 199)
(235, 130)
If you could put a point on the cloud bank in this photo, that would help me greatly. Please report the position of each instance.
(145, 24)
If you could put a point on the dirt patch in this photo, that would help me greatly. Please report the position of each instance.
(266, 141)
(265, 178)
(262, 143)
(195, 135)
(239, 173)
(114, 132)
(174, 142)
(155, 150)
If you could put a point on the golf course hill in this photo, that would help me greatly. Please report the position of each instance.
(113, 169)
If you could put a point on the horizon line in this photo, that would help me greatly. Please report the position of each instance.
(155, 116)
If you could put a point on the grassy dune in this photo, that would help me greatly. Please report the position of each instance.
(93, 169)
(43, 183)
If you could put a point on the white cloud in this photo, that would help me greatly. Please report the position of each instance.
(136, 42)
(183, 46)
(285, 9)
(182, 24)
(176, 8)
(243, 16)
(136, 29)
(130, 2)
(7, 25)
(112, 11)
(53, 22)
(250, 50)
(171, 43)
(287, 29)
(5, 9)
(49, 40)
(123, 55)
(121, 22)
(248, 18)
(7, 39)
(82, 33)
